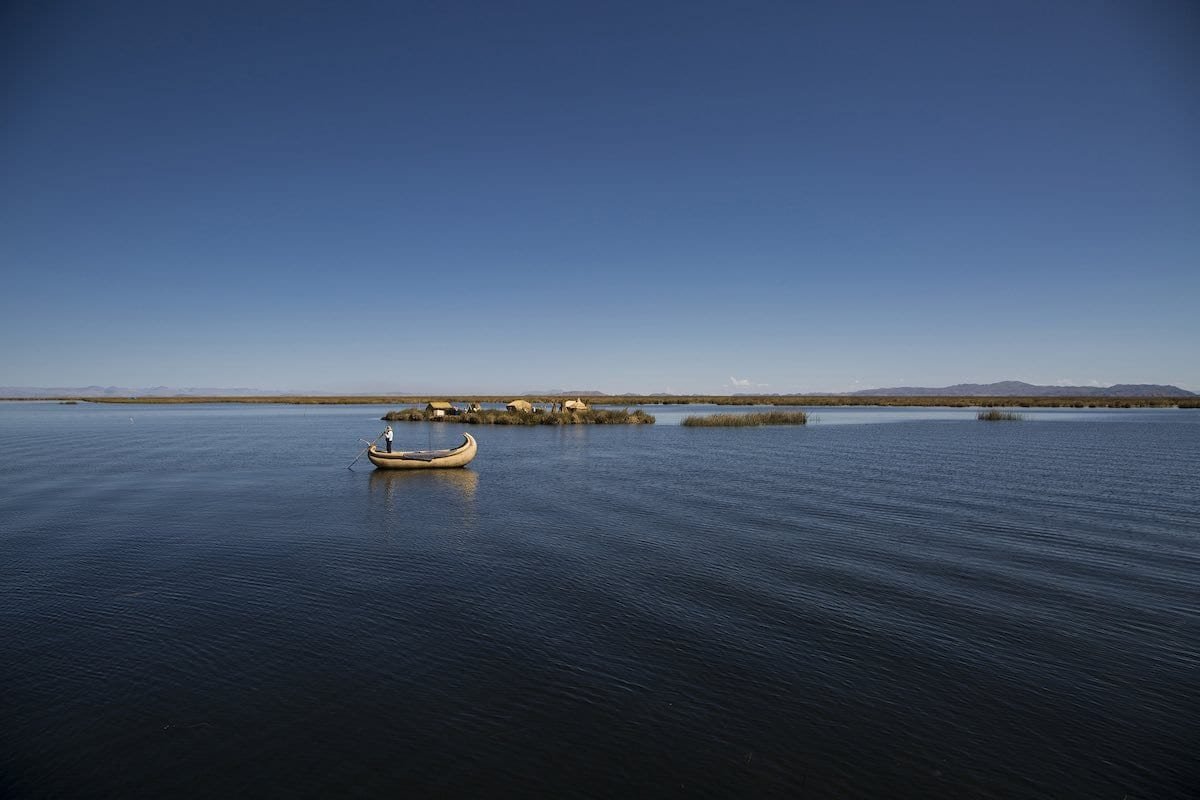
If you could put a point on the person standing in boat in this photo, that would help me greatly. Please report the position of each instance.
(387, 435)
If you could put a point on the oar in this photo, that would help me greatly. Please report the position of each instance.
(360, 455)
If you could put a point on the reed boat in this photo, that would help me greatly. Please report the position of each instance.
(425, 459)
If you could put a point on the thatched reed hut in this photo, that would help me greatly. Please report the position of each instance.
(441, 408)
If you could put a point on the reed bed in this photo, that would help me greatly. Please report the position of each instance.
(488, 416)
(746, 420)
(995, 415)
(720, 400)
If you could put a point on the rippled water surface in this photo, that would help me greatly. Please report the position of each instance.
(204, 601)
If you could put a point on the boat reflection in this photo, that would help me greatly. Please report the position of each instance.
(391, 483)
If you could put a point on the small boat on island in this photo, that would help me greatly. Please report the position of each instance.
(425, 459)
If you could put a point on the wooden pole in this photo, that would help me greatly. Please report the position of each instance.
(360, 455)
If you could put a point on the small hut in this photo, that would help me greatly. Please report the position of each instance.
(524, 406)
(440, 408)
(471, 407)
(574, 405)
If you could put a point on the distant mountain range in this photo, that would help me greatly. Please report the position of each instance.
(1001, 389)
(1022, 389)
(564, 392)
(124, 391)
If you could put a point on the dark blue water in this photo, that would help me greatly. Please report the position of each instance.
(203, 601)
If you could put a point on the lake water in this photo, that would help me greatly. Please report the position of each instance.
(204, 601)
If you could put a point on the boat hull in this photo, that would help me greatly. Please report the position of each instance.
(425, 459)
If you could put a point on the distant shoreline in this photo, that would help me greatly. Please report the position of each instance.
(653, 400)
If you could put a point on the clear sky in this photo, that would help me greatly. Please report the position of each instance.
(516, 196)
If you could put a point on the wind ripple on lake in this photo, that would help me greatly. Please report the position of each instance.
(928, 608)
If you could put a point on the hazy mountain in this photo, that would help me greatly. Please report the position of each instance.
(124, 391)
(1001, 389)
(564, 392)
(1022, 389)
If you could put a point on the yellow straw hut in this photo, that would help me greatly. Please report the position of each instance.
(440, 408)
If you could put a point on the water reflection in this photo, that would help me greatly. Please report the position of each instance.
(393, 484)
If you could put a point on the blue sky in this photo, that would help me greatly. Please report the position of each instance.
(689, 197)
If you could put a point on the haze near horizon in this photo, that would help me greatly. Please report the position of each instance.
(628, 197)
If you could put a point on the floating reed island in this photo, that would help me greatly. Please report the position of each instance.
(489, 416)
(750, 420)
(996, 415)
